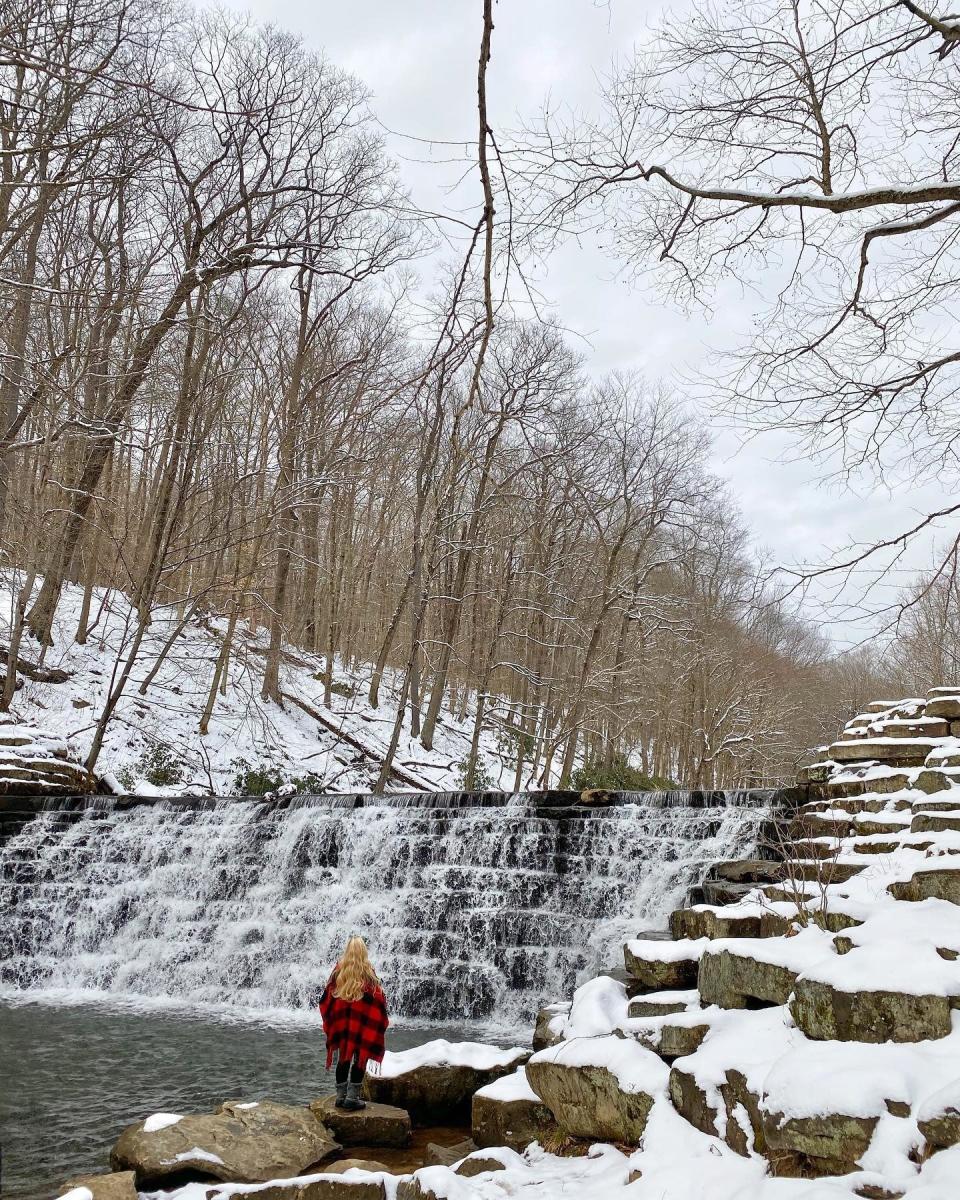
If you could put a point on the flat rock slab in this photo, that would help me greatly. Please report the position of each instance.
(826, 1013)
(438, 1094)
(241, 1143)
(120, 1185)
(375, 1125)
(900, 751)
(445, 1156)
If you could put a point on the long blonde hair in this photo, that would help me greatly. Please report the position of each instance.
(355, 972)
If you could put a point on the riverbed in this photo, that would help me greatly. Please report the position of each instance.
(72, 1076)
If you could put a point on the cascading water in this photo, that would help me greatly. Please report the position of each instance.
(475, 913)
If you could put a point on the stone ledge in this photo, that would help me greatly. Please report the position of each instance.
(375, 1125)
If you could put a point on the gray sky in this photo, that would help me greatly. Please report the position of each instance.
(419, 59)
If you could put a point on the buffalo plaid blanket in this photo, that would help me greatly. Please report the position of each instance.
(354, 1028)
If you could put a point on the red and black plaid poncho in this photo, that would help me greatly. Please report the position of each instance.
(354, 1027)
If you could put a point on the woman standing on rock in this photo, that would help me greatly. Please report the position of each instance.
(354, 1012)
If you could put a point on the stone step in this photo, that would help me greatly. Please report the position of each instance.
(739, 979)
(883, 846)
(747, 870)
(439, 1092)
(826, 1012)
(827, 848)
(934, 882)
(854, 805)
(376, 1125)
(903, 752)
(936, 806)
(707, 922)
(663, 1004)
(935, 823)
(659, 966)
(936, 779)
(821, 872)
(674, 1036)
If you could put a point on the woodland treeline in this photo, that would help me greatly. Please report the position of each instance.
(223, 392)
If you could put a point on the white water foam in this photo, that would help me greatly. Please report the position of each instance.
(472, 914)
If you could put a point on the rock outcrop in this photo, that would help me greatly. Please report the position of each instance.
(599, 1088)
(36, 761)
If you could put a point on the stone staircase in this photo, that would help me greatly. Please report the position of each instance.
(814, 1011)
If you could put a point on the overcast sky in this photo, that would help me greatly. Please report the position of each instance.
(418, 57)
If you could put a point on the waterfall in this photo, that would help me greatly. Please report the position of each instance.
(471, 912)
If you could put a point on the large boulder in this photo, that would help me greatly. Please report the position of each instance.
(599, 1088)
(435, 1082)
(510, 1113)
(240, 1143)
(375, 1125)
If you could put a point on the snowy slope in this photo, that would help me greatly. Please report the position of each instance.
(155, 736)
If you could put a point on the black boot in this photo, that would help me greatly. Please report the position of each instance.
(341, 1101)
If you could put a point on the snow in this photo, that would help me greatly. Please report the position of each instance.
(858, 1078)
(245, 733)
(598, 1007)
(77, 1193)
(509, 1088)
(441, 1053)
(252, 1104)
(684, 950)
(797, 953)
(197, 1154)
(160, 1121)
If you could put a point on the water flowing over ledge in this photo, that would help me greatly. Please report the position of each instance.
(474, 911)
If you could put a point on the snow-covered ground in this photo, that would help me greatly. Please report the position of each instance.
(155, 735)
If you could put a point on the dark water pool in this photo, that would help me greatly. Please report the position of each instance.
(71, 1078)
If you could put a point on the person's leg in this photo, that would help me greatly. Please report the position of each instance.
(342, 1075)
(353, 1101)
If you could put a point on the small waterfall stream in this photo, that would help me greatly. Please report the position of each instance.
(472, 912)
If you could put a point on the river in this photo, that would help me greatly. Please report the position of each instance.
(72, 1076)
